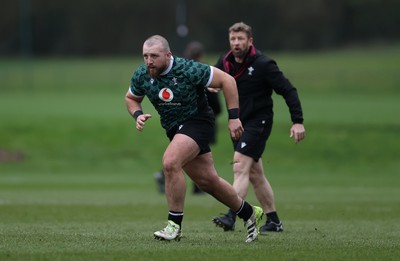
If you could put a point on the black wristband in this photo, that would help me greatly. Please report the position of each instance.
(233, 113)
(137, 113)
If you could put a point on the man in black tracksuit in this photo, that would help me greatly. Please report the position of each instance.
(257, 76)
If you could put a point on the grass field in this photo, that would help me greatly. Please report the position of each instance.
(76, 178)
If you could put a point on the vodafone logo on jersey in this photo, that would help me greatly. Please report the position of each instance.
(166, 94)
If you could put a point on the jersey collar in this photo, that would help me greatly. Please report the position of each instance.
(171, 62)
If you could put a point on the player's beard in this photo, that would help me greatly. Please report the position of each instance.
(240, 53)
(154, 71)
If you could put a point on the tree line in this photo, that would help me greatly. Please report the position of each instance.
(108, 27)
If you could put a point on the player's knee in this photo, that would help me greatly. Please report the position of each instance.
(170, 165)
(237, 167)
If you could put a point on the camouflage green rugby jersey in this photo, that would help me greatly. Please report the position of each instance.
(177, 94)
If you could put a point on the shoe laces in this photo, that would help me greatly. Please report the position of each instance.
(171, 227)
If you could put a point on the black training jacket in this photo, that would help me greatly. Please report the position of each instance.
(256, 78)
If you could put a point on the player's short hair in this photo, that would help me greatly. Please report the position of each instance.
(158, 39)
(241, 27)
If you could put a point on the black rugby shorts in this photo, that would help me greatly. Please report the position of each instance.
(200, 130)
(255, 135)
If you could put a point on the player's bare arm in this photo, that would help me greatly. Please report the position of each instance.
(134, 107)
(227, 84)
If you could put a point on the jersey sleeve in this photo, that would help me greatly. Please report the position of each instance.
(199, 74)
(135, 87)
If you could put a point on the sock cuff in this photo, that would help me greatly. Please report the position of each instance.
(241, 207)
(175, 213)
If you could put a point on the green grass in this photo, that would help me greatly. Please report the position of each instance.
(84, 189)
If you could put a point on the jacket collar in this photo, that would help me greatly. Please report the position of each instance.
(228, 62)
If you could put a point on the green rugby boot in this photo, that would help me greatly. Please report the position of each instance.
(253, 224)
(171, 232)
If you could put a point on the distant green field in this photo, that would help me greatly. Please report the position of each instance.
(76, 178)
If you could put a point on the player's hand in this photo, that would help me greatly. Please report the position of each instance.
(140, 121)
(235, 128)
(298, 132)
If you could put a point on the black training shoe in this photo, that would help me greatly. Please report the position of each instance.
(227, 222)
(271, 226)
